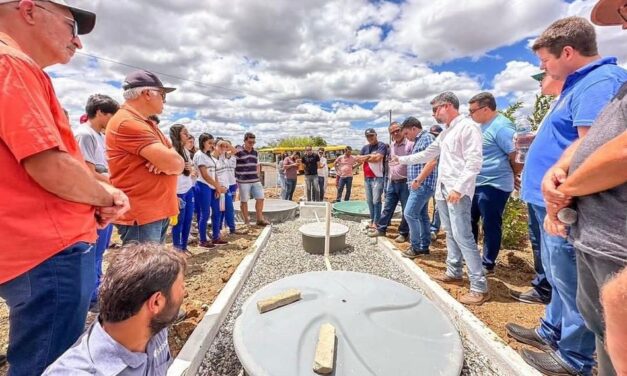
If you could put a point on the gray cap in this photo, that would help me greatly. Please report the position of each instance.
(142, 78)
(85, 20)
(370, 131)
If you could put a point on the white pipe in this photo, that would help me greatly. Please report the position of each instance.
(327, 237)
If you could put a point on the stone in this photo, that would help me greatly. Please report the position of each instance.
(287, 297)
(325, 350)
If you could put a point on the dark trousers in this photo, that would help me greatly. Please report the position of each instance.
(344, 182)
(104, 238)
(539, 282)
(592, 273)
(290, 187)
(396, 192)
(488, 204)
(47, 308)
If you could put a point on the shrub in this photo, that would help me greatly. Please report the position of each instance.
(515, 229)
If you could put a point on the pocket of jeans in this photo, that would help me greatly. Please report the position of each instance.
(17, 290)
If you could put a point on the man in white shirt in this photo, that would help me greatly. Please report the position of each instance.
(323, 174)
(460, 148)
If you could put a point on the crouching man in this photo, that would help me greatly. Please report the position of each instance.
(140, 296)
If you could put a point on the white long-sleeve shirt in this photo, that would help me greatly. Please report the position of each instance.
(460, 147)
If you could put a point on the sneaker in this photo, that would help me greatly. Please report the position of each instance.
(531, 296)
(434, 236)
(263, 222)
(547, 363)
(448, 279)
(488, 272)
(401, 239)
(375, 233)
(206, 244)
(528, 336)
(413, 253)
(3, 359)
(475, 298)
(220, 242)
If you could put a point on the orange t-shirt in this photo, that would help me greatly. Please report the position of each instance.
(36, 224)
(152, 197)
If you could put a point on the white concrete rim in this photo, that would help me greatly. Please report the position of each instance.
(504, 358)
(193, 352)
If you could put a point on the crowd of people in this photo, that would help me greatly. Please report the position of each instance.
(119, 170)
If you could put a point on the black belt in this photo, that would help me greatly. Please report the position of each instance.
(400, 181)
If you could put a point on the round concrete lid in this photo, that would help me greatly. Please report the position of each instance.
(269, 205)
(356, 208)
(319, 229)
(382, 328)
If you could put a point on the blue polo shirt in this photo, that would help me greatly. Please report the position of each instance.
(496, 171)
(586, 91)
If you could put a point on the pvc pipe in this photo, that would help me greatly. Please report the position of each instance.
(327, 236)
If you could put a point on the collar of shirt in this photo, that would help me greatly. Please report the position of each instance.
(109, 355)
(133, 111)
(580, 73)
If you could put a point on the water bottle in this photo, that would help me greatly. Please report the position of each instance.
(524, 137)
(222, 202)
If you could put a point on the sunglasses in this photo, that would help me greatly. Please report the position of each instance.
(161, 93)
(72, 23)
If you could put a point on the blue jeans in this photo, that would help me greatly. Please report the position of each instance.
(344, 182)
(197, 202)
(104, 238)
(435, 221)
(153, 232)
(312, 188)
(281, 182)
(417, 215)
(397, 191)
(539, 282)
(290, 187)
(228, 215)
(48, 306)
(208, 204)
(460, 244)
(180, 232)
(562, 324)
(374, 190)
(489, 204)
(321, 187)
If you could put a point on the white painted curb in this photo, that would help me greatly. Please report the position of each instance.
(193, 352)
(503, 358)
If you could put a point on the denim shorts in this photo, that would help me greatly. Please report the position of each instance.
(250, 190)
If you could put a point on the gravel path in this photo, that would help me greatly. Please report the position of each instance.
(284, 256)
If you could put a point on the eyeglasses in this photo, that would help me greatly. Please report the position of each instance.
(73, 22)
(395, 132)
(472, 111)
(160, 92)
(622, 12)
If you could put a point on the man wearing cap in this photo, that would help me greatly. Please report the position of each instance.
(597, 181)
(460, 150)
(568, 51)
(49, 199)
(540, 292)
(373, 158)
(397, 189)
(142, 162)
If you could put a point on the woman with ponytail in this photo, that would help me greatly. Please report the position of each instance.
(184, 190)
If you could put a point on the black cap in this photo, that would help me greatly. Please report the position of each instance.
(370, 131)
(142, 78)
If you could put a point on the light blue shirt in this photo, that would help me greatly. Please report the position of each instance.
(496, 171)
(96, 353)
(586, 91)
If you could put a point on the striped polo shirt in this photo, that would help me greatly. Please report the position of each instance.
(246, 167)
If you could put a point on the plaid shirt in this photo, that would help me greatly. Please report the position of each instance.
(423, 140)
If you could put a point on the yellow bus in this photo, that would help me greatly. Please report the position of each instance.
(271, 155)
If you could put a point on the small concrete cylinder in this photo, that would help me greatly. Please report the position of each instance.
(313, 237)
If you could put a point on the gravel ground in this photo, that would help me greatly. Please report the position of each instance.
(284, 256)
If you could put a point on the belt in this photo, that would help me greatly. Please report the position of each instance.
(400, 181)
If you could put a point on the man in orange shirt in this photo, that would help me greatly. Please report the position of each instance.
(142, 162)
(49, 200)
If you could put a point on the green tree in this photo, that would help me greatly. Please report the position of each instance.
(299, 141)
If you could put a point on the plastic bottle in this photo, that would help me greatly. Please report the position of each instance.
(222, 202)
(524, 137)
